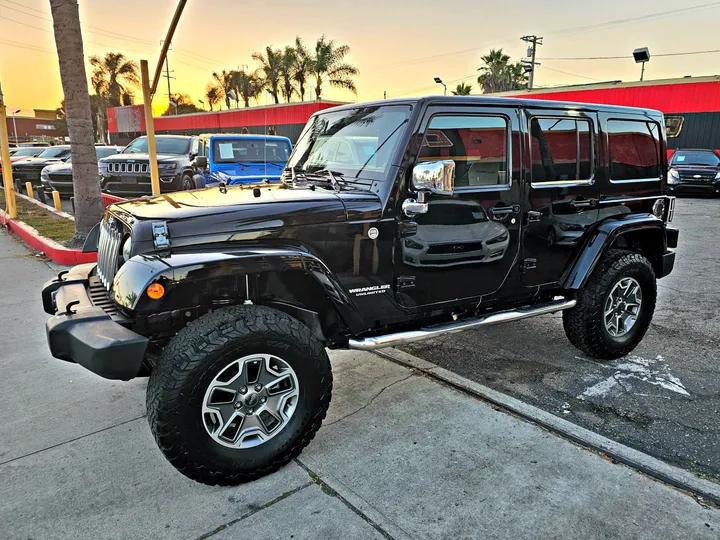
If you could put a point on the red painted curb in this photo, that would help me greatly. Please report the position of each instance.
(110, 199)
(56, 252)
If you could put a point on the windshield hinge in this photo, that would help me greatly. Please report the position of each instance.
(161, 237)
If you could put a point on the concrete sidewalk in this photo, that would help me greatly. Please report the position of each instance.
(399, 456)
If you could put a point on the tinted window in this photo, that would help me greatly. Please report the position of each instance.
(561, 150)
(26, 152)
(250, 151)
(477, 144)
(452, 214)
(633, 150)
(55, 152)
(708, 159)
(165, 145)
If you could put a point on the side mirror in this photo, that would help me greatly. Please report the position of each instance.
(435, 177)
(201, 162)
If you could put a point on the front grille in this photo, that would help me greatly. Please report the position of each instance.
(28, 172)
(702, 178)
(128, 168)
(100, 298)
(109, 242)
(61, 178)
(446, 249)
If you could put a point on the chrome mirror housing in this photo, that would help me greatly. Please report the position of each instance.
(435, 177)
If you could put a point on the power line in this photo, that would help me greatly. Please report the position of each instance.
(24, 46)
(687, 53)
(571, 74)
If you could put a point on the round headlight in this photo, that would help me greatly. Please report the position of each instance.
(673, 176)
(659, 208)
(127, 249)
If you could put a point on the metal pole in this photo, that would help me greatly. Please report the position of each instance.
(15, 127)
(5, 156)
(166, 45)
(150, 127)
(167, 71)
(642, 71)
(532, 60)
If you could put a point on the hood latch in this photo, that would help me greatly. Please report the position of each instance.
(161, 237)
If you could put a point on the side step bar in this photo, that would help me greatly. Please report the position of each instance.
(401, 338)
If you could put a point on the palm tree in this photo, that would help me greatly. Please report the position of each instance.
(71, 56)
(183, 105)
(287, 72)
(328, 66)
(247, 85)
(498, 74)
(224, 82)
(303, 66)
(271, 64)
(113, 76)
(213, 94)
(462, 89)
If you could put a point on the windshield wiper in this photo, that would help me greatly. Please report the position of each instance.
(335, 177)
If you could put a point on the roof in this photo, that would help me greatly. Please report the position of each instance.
(252, 136)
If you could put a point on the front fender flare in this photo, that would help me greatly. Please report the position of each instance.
(179, 269)
(600, 240)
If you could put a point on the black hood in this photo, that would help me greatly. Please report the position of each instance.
(247, 208)
(36, 162)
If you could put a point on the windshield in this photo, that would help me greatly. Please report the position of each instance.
(165, 145)
(353, 142)
(452, 214)
(105, 152)
(55, 152)
(250, 151)
(26, 152)
(708, 159)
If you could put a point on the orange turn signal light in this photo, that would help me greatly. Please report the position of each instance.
(155, 291)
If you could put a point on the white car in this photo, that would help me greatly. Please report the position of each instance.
(475, 238)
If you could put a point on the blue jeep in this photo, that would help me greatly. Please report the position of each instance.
(245, 159)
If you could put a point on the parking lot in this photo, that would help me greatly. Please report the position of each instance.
(664, 399)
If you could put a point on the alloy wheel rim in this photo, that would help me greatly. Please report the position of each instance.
(250, 401)
(622, 307)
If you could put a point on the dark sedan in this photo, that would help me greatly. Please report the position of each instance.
(29, 170)
(58, 176)
(694, 171)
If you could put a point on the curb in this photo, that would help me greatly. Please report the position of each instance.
(656, 468)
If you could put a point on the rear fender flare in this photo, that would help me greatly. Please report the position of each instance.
(603, 237)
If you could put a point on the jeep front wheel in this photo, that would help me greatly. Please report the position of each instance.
(615, 308)
(238, 393)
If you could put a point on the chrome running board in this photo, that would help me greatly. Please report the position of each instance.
(400, 338)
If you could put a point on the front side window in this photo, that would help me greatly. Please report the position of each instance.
(358, 143)
(165, 145)
(634, 152)
(477, 144)
(250, 151)
(561, 150)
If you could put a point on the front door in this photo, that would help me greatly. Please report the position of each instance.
(464, 247)
(562, 190)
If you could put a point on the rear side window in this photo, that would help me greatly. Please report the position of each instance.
(561, 151)
(634, 150)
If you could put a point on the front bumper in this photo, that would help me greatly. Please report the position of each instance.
(138, 186)
(688, 187)
(86, 327)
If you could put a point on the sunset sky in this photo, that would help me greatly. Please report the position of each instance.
(399, 46)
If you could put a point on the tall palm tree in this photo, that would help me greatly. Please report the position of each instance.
(224, 82)
(113, 77)
(303, 66)
(462, 89)
(287, 72)
(71, 56)
(247, 85)
(328, 67)
(213, 94)
(498, 74)
(271, 65)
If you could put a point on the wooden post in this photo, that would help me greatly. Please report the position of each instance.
(150, 128)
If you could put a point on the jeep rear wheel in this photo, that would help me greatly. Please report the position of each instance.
(615, 307)
(238, 393)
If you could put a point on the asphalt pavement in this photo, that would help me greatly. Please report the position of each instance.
(663, 399)
(399, 456)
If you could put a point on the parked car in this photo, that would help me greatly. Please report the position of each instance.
(244, 159)
(227, 297)
(28, 170)
(21, 154)
(694, 171)
(128, 173)
(35, 144)
(58, 176)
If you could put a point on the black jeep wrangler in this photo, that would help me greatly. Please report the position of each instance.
(396, 221)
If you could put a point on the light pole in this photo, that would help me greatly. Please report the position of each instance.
(15, 125)
(439, 81)
(202, 103)
(641, 56)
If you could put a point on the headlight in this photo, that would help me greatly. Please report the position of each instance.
(164, 167)
(673, 176)
(570, 227)
(44, 174)
(717, 176)
(412, 244)
(659, 208)
(127, 249)
(502, 238)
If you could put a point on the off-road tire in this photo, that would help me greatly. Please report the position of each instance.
(198, 353)
(584, 323)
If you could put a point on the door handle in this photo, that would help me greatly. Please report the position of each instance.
(497, 211)
(584, 203)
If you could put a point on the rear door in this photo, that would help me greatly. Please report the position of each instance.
(563, 194)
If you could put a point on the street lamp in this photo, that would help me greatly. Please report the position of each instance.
(202, 103)
(641, 56)
(173, 104)
(15, 125)
(438, 80)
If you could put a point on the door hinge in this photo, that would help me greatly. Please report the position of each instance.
(408, 228)
(528, 264)
(405, 282)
